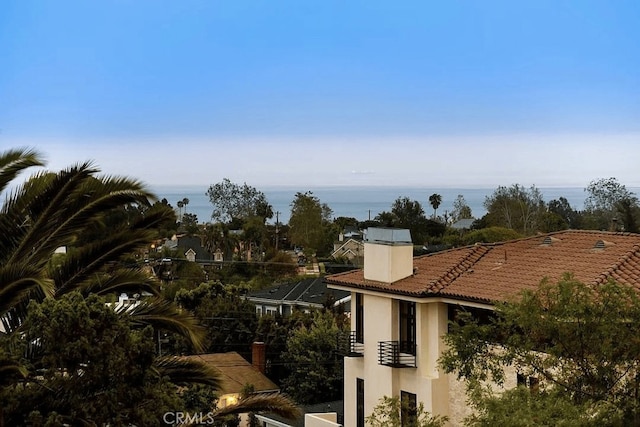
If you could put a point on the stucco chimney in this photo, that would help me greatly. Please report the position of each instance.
(388, 254)
(258, 356)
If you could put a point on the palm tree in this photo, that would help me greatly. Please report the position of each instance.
(180, 206)
(435, 200)
(53, 210)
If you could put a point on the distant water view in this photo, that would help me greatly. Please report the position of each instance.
(360, 202)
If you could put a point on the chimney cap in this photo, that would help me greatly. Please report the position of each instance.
(389, 235)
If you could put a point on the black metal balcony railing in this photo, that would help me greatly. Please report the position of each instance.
(348, 345)
(356, 347)
(397, 354)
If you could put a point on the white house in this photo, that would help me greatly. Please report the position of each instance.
(401, 305)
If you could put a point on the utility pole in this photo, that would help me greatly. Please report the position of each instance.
(277, 229)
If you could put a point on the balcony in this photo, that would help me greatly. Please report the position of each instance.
(397, 354)
(356, 347)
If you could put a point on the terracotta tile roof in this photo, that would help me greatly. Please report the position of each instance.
(236, 372)
(493, 272)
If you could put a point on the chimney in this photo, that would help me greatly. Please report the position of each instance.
(388, 254)
(258, 356)
(614, 224)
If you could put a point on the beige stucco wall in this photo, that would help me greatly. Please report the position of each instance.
(329, 419)
(387, 263)
(381, 324)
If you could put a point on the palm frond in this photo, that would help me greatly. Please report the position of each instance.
(81, 265)
(14, 161)
(71, 201)
(10, 370)
(187, 370)
(117, 281)
(165, 315)
(19, 283)
(275, 403)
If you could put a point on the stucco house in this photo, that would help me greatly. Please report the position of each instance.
(401, 305)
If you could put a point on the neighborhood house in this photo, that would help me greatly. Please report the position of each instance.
(401, 305)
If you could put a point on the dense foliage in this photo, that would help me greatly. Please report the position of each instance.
(310, 224)
(65, 356)
(390, 410)
(579, 342)
(315, 359)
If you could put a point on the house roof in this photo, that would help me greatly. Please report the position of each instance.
(490, 272)
(236, 372)
(463, 224)
(346, 245)
(308, 291)
(195, 244)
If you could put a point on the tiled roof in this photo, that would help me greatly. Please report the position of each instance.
(236, 372)
(493, 272)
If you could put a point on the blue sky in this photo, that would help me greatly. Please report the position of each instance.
(446, 93)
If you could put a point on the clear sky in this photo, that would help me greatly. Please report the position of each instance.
(304, 92)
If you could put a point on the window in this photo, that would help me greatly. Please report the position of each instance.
(359, 402)
(359, 318)
(531, 382)
(408, 327)
(408, 409)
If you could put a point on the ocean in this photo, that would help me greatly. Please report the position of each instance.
(361, 203)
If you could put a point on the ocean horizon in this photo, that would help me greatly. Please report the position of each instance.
(360, 202)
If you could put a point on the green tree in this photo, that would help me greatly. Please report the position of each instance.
(219, 236)
(230, 320)
(515, 207)
(310, 224)
(315, 360)
(232, 201)
(569, 216)
(95, 367)
(410, 215)
(384, 219)
(461, 209)
(579, 341)
(435, 200)
(190, 223)
(55, 209)
(603, 200)
(490, 235)
(389, 413)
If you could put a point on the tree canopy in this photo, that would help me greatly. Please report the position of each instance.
(461, 209)
(435, 200)
(310, 223)
(515, 207)
(315, 360)
(232, 201)
(607, 200)
(61, 346)
(579, 342)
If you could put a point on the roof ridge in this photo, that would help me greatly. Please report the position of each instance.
(604, 276)
(301, 295)
(456, 270)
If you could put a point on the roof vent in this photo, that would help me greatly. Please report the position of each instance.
(601, 244)
(548, 241)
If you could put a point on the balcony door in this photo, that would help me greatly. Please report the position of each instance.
(407, 327)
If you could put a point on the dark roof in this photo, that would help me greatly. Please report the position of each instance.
(310, 291)
(193, 242)
(489, 272)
